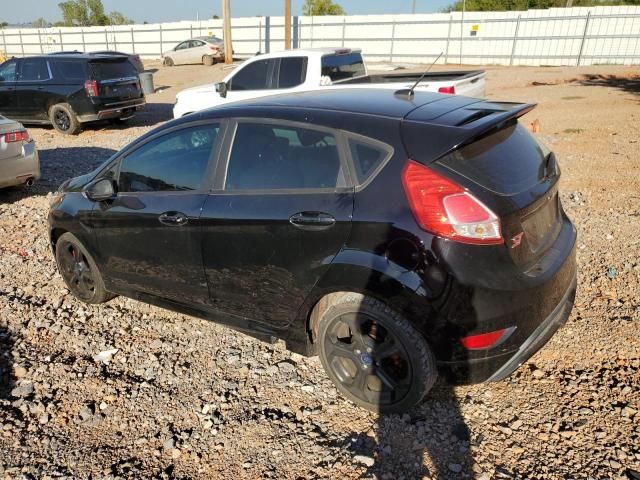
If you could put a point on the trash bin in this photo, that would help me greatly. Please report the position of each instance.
(146, 81)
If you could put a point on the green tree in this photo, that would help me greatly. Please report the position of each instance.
(89, 12)
(502, 5)
(117, 18)
(96, 13)
(3, 24)
(75, 13)
(40, 23)
(321, 7)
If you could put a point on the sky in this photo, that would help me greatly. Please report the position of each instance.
(24, 11)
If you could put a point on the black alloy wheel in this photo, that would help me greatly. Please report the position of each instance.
(79, 271)
(375, 356)
(76, 271)
(62, 120)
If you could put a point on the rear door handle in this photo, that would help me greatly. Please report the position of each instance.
(173, 219)
(312, 220)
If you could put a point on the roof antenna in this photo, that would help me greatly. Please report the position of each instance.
(409, 91)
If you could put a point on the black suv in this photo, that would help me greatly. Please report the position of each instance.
(399, 237)
(70, 89)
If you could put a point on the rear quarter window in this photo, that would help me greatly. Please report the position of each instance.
(68, 70)
(368, 157)
(109, 70)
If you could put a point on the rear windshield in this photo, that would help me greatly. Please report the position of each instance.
(343, 67)
(507, 162)
(103, 70)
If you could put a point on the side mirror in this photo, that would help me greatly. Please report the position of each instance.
(221, 88)
(100, 190)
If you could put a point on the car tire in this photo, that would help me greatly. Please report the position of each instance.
(168, 62)
(373, 355)
(79, 270)
(208, 60)
(64, 120)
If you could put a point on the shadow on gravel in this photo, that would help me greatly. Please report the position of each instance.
(630, 83)
(6, 369)
(436, 428)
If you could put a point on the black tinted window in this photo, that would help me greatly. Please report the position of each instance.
(342, 67)
(176, 161)
(8, 71)
(366, 159)
(293, 71)
(281, 157)
(113, 69)
(68, 70)
(509, 161)
(34, 69)
(252, 77)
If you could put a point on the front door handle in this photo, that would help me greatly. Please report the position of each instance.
(173, 219)
(312, 220)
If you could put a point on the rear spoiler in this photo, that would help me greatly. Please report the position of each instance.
(429, 138)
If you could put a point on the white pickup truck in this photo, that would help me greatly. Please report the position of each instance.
(311, 69)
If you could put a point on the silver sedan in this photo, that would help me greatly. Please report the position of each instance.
(206, 50)
(19, 162)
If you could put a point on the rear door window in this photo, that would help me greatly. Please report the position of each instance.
(255, 76)
(343, 66)
(279, 157)
(173, 162)
(34, 70)
(8, 71)
(293, 72)
(105, 70)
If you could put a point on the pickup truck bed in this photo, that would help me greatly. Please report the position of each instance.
(413, 77)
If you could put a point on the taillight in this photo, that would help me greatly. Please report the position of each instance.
(215, 49)
(486, 340)
(444, 208)
(91, 87)
(17, 136)
(451, 90)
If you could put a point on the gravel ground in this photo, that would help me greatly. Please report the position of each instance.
(126, 390)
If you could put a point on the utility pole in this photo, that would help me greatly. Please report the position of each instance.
(226, 15)
(287, 24)
(413, 8)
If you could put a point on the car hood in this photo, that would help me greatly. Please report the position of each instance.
(201, 90)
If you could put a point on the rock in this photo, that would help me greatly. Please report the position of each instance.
(307, 388)
(105, 356)
(86, 413)
(455, 467)
(19, 371)
(537, 373)
(365, 460)
(22, 391)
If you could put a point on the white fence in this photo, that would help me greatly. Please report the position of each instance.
(557, 36)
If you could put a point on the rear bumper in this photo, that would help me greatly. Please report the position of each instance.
(122, 110)
(497, 367)
(19, 170)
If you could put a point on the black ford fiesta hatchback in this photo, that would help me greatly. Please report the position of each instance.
(400, 238)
